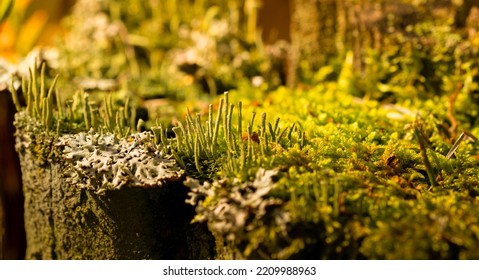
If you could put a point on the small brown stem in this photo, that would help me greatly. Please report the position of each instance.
(425, 159)
(450, 112)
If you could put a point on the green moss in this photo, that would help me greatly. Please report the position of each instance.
(331, 177)
(344, 180)
(351, 166)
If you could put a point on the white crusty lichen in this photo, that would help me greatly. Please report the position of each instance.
(103, 162)
(230, 207)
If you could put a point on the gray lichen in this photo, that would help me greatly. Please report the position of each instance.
(104, 162)
(229, 206)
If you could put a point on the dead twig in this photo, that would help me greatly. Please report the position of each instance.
(464, 136)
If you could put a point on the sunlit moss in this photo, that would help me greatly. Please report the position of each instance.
(352, 165)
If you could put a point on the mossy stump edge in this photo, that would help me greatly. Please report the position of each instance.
(65, 221)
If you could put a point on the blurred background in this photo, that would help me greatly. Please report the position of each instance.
(433, 39)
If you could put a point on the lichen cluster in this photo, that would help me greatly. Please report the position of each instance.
(231, 214)
(102, 162)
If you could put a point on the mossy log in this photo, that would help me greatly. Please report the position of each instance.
(116, 209)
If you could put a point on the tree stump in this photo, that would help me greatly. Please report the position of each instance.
(92, 196)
